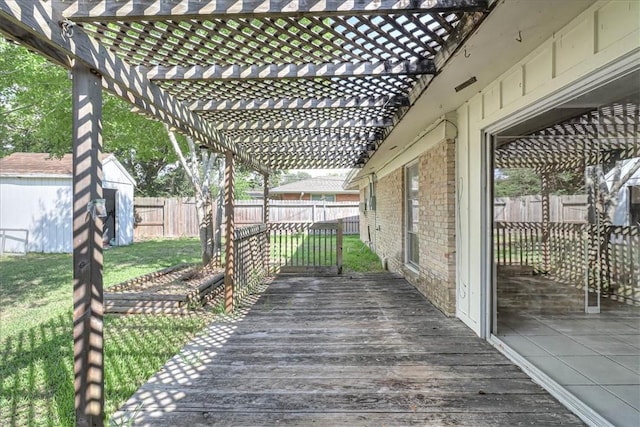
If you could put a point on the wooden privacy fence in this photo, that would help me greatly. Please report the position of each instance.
(306, 247)
(575, 254)
(562, 209)
(158, 217)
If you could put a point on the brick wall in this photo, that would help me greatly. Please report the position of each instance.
(389, 220)
(435, 277)
(347, 197)
(437, 226)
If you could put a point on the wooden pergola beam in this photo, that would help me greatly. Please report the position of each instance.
(305, 162)
(299, 103)
(265, 138)
(346, 151)
(290, 71)
(304, 124)
(37, 25)
(153, 10)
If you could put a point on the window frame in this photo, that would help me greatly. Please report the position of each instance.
(328, 198)
(412, 209)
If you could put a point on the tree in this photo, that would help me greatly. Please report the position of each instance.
(35, 103)
(524, 182)
(604, 185)
(199, 167)
(516, 183)
(35, 116)
(288, 178)
(141, 145)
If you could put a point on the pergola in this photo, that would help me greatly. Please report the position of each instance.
(600, 136)
(589, 138)
(277, 84)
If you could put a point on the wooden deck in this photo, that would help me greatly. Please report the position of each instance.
(341, 351)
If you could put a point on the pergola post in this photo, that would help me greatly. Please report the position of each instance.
(265, 207)
(265, 221)
(229, 202)
(87, 249)
(339, 237)
(546, 215)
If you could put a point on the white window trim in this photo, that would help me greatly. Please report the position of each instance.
(414, 266)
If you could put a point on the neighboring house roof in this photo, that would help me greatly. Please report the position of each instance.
(317, 185)
(43, 165)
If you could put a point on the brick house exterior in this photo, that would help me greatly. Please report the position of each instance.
(297, 196)
(435, 276)
(328, 188)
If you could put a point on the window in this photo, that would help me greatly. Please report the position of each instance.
(324, 197)
(370, 197)
(412, 214)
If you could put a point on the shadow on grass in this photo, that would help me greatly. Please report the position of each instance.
(53, 270)
(318, 249)
(36, 366)
(36, 375)
(34, 277)
(161, 253)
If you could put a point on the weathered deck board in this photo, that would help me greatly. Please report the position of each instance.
(335, 351)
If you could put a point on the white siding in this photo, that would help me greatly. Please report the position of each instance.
(621, 214)
(41, 205)
(116, 179)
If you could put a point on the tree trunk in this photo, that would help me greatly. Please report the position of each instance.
(218, 225)
(205, 227)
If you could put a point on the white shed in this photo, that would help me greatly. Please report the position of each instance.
(36, 203)
(628, 209)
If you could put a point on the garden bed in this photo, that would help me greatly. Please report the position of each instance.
(175, 290)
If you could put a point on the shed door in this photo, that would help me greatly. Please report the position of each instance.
(109, 229)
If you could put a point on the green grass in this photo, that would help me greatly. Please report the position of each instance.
(36, 287)
(319, 250)
(36, 351)
(357, 257)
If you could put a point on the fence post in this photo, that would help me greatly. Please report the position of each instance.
(230, 268)
(339, 246)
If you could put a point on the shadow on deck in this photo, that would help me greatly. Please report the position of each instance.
(364, 350)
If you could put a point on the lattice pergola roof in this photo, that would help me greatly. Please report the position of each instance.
(610, 132)
(288, 84)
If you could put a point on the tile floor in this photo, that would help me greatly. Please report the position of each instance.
(594, 356)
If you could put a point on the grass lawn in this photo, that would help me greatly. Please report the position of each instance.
(319, 250)
(36, 353)
(357, 257)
